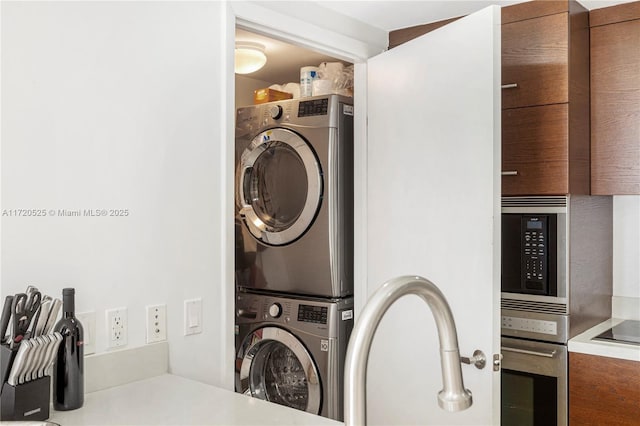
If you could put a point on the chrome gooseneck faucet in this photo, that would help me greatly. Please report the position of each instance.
(453, 396)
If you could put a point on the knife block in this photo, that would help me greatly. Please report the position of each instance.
(28, 401)
(6, 360)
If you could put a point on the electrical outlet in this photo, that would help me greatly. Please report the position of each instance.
(156, 323)
(88, 321)
(116, 327)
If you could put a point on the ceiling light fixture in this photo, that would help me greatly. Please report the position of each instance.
(250, 57)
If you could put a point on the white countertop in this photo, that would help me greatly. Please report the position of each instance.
(174, 400)
(584, 344)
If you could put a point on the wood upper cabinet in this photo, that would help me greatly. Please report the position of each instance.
(603, 391)
(545, 98)
(535, 61)
(615, 100)
(534, 150)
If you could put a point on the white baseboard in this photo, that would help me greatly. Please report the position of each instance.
(109, 369)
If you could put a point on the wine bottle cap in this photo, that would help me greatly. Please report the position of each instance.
(68, 303)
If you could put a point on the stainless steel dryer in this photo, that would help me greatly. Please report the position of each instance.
(294, 196)
(292, 351)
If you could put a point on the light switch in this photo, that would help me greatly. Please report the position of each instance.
(192, 316)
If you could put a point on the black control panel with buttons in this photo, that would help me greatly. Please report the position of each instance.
(534, 252)
(313, 107)
(314, 314)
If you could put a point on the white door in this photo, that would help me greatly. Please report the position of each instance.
(433, 209)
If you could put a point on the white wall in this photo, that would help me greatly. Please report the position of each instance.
(626, 246)
(116, 105)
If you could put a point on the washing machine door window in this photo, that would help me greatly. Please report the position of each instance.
(280, 186)
(277, 367)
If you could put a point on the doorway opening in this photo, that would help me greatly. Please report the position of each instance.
(293, 226)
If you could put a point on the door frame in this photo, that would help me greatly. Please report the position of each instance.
(258, 18)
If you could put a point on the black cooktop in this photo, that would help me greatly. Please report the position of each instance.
(626, 332)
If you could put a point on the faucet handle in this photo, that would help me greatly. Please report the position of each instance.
(478, 359)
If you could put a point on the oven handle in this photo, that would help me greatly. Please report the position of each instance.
(550, 354)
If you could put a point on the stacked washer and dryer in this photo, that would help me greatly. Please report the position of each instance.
(294, 251)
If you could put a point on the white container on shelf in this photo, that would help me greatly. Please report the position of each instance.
(307, 76)
(321, 87)
(293, 88)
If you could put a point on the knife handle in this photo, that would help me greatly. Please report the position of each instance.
(6, 316)
(25, 373)
(56, 304)
(41, 322)
(42, 362)
(36, 357)
(53, 352)
(18, 363)
(47, 344)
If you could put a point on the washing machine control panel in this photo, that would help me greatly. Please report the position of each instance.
(314, 314)
(313, 107)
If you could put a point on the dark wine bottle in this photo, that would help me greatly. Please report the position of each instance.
(68, 373)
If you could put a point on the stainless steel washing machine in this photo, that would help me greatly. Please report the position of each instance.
(294, 196)
(291, 351)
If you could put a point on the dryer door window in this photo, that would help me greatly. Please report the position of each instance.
(279, 187)
(276, 367)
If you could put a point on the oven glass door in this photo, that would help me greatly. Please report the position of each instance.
(533, 383)
(528, 399)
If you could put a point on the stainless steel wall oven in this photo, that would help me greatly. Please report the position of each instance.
(556, 283)
(534, 383)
